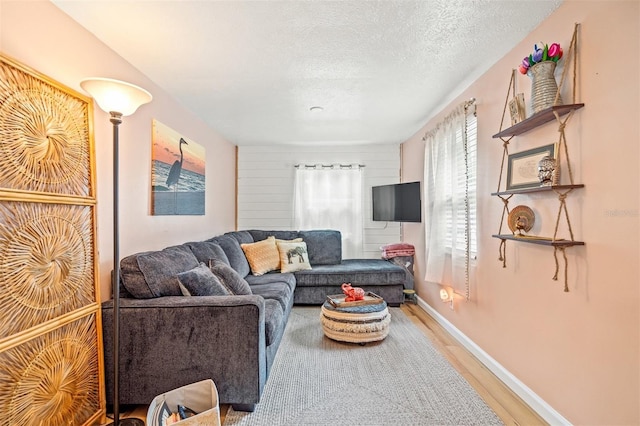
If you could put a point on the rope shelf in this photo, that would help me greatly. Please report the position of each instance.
(561, 114)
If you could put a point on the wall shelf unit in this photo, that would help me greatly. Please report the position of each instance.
(538, 119)
(539, 240)
(561, 114)
(539, 189)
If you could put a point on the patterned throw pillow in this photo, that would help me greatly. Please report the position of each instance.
(293, 257)
(200, 281)
(262, 256)
(229, 277)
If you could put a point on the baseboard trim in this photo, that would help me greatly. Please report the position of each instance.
(543, 409)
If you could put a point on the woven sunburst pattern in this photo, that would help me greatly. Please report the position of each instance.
(44, 136)
(46, 262)
(52, 379)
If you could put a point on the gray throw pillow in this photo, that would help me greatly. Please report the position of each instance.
(160, 269)
(205, 250)
(229, 277)
(200, 281)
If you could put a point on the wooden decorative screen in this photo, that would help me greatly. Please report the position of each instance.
(50, 343)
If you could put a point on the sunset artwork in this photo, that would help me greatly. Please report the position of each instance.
(177, 173)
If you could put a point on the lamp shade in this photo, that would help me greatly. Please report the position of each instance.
(116, 96)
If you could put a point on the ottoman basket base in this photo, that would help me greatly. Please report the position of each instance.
(356, 325)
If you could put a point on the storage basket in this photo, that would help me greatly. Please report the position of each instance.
(201, 397)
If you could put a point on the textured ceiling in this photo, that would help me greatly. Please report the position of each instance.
(253, 69)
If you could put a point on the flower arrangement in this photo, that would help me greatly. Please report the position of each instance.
(541, 52)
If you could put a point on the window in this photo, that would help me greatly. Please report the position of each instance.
(450, 203)
(330, 197)
(464, 189)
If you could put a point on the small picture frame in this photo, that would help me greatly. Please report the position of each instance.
(517, 109)
(522, 167)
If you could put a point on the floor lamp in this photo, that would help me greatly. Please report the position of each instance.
(118, 99)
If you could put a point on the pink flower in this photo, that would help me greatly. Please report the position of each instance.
(554, 50)
(541, 52)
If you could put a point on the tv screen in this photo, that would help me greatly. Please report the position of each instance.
(397, 203)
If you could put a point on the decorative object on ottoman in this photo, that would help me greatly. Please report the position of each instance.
(340, 300)
(355, 324)
(353, 293)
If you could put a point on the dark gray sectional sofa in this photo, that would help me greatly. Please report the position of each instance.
(168, 340)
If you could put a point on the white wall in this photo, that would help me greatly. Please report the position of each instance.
(266, 177)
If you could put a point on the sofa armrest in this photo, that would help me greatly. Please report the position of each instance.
(169, 342)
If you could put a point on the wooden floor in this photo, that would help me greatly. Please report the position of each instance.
(507, 405)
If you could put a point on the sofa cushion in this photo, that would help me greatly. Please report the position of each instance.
(324, 246)
(272, 277)
(235, 255)
(358, 272)
(160, 270)
(262, 256)
(293, 256)
(279, 291)
(200, 281)
(205, 250)
(273, 320)
(259, 235)
(242, 237)
(229, 277)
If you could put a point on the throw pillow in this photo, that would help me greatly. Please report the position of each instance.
(160, 269)
(233, 282)
(205, 250)
(262, 256)
(293, 257)
(200, 281)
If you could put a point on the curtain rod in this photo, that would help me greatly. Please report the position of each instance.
(329, 166)
(465, 105)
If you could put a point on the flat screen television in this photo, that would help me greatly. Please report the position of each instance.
(399, 202)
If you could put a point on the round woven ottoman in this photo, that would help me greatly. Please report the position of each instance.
(357, 324)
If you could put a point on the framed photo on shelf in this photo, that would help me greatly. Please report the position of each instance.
(522, 167)
(517, 109)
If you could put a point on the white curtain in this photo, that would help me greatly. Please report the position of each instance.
(447, 204)
(331, 198)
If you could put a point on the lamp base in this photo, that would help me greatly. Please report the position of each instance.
(130, 421)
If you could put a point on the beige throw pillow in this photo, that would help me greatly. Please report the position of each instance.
(262, 256)
(293, 256)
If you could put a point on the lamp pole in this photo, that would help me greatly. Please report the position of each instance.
(119, 99)
(116, 119)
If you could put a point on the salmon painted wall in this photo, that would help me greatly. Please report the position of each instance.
(578, 351)
(39, 35)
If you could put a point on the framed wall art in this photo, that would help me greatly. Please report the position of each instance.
(177, 173)
(522, 167)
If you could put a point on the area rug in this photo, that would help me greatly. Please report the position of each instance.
(402, 380)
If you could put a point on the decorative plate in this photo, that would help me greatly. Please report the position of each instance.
(521, 219)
